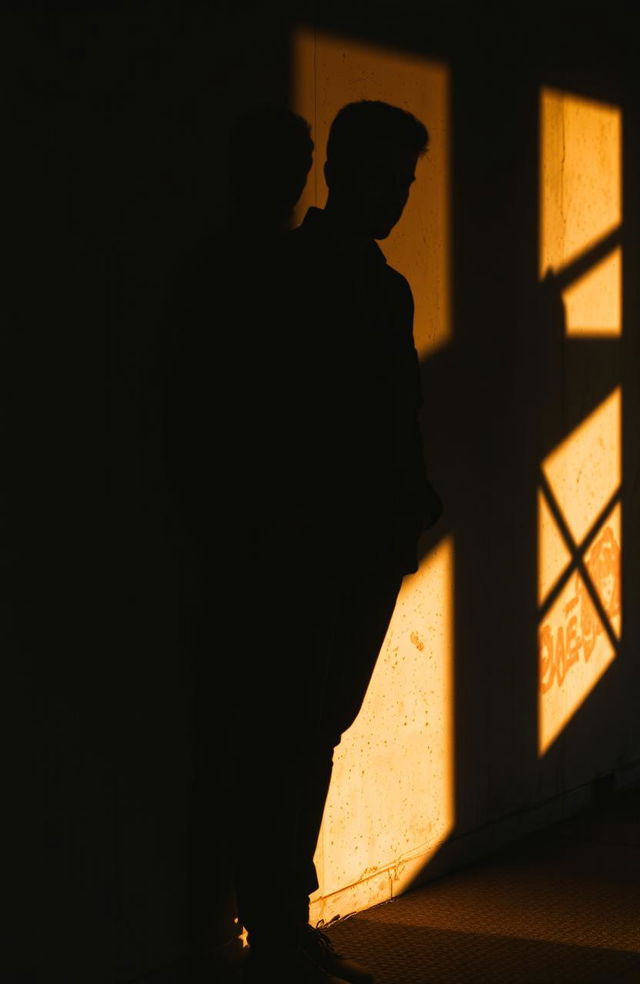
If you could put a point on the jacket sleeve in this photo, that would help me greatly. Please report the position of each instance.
(410, 442)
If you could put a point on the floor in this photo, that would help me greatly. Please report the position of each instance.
(561, 907)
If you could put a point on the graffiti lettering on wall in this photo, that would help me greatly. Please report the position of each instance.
(574, 636)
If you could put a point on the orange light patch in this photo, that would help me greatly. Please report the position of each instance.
(575, 647)
(578, 564)
(580, 176)
(593, 304)
(585, 470)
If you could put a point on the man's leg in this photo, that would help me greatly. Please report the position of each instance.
(304, 680)
(364, 606)
(283, 656)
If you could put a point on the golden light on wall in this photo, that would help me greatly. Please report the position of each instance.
(585, 470)
(593, 304)
(391, 804)
(579, 512)
(329, 72)
(579, 522)
(581, 205)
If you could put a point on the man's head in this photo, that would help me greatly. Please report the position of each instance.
(372, 152)
(281, 141)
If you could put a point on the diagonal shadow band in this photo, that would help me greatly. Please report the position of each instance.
(585, 261)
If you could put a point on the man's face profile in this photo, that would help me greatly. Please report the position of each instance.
(382, 181)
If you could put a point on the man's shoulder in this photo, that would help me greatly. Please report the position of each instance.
(303, 236)
(303, 251)
(396, 278)
(399, 287)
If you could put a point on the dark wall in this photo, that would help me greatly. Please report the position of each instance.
(115, 119)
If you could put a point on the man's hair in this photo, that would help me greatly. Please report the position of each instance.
(360, 125)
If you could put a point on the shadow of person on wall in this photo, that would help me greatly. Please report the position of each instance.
(212, 411)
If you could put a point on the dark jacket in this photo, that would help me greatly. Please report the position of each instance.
(356, 456)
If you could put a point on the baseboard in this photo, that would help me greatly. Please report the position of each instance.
(457, 852)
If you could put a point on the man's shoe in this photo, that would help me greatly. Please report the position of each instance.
(220, 962)
(321, 950)
(286, 965)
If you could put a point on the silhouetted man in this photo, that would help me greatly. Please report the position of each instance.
(341, 497)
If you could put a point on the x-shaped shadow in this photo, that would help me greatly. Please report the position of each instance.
(577, 552)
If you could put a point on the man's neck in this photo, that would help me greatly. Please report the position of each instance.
(344, 220)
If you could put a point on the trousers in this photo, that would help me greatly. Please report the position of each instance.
(280, 677)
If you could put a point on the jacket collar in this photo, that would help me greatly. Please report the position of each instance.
(318, 221)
